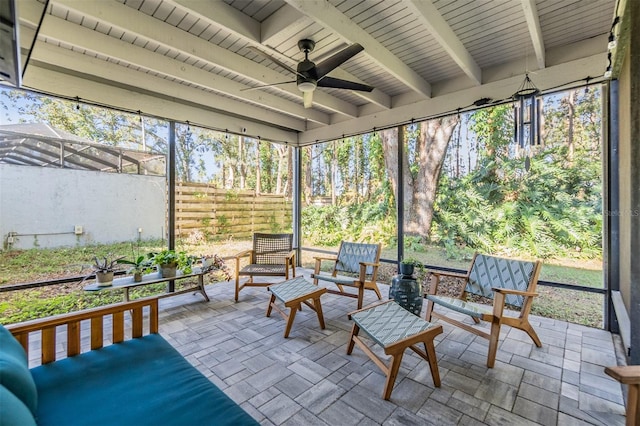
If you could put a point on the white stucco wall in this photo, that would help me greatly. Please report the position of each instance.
(43, 206)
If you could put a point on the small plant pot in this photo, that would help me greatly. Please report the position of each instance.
(168, 270)
(137, 277)
(104, 279)
(406, 269)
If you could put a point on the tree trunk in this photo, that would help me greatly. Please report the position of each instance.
(334, 172)
(306, 188)
(281, 150)
(431, 147)
(390, 149)
(571, 105)
(242, 171)
(288, 191)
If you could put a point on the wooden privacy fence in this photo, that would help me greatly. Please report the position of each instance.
(229, 213)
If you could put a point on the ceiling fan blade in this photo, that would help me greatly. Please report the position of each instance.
(308, 99)
(338, 83)
(274, 60)
(266, 85)
(334, 61)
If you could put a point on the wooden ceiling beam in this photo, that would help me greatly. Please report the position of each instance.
(330, 17)
(533, 23)
(429, 16)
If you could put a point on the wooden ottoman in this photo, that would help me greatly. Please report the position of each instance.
(395, 329)
(292, 293)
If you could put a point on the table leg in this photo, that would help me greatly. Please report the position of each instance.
(201, 286)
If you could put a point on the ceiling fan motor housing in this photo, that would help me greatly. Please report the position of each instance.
(307, 78)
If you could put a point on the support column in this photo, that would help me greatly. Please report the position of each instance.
(297, 203)
(171, 195)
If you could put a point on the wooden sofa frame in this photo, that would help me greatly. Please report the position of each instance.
(96, 316)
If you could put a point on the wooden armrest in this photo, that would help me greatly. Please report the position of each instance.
(516, 292)
(449, 274)
(433, 285)
(369, 264)
(242, 254)
(627, 374)
(321, 258)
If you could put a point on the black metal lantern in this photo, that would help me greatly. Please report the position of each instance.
(526, 114)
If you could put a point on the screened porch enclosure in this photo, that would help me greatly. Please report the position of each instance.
(227, 67)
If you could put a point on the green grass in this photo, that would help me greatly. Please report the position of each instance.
(44, 264)
(561, 304)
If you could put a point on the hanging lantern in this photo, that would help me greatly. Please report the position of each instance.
(526, 114)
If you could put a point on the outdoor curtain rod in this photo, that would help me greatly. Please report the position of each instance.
(480, 103)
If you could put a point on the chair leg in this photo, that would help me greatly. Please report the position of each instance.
(493, 344)
(526, 327)
(430, 350)
(292, 315)
(427, 314)
(354, 332)
(394, 366)
(237, 287)
(360, 297)
(633, 405)
(271, 302)
(318, 309)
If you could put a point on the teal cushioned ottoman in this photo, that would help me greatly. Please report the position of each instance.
(142, 381)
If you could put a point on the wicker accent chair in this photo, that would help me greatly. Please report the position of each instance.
(272, 256)
(357, 264)
(506, 281)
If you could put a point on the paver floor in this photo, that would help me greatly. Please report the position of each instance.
(308, 379)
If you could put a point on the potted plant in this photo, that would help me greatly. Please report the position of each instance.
(408, 265)
(104, 269)
(140, 265)
(215, 263)
(169, 261)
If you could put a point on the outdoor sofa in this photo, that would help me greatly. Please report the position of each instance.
(140, 379)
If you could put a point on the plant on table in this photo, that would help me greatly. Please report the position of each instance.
(140, 265)
(215, 263)
(171, 259)
(104, 269)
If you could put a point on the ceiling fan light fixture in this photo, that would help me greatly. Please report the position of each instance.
(307, 86)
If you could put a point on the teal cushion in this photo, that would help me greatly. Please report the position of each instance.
(14, 373)
(12, 411)
(10, 346)
(18, 380)
(142, 381)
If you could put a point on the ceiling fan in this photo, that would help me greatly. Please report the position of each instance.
(309, 75)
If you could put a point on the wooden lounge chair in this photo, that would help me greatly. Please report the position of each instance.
(506, 281)
(358, 265)
(271, 256)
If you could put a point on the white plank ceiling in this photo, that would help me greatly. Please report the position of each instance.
(195, 59)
